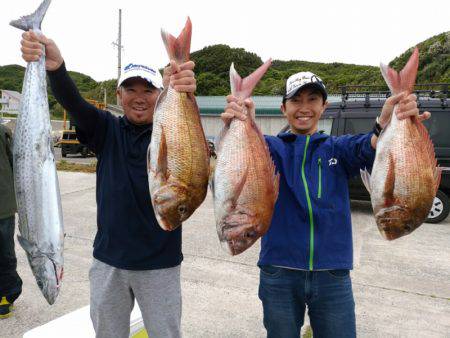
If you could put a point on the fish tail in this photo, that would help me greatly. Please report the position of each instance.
(404, 80)
(179, 48)
(32, 21)
(243, 88)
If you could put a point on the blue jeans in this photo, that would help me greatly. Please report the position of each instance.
(328, 294)
(10, 282)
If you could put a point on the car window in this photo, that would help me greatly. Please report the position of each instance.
(358, 125)
(325, 125)
(438, 127)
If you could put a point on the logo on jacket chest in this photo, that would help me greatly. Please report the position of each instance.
(332, 161)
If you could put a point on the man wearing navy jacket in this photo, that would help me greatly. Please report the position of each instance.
(307, 254)
(133, 257)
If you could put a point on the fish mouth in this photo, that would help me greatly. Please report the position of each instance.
(235, 239)
(394, 222)
(167, 225)
(234, 232)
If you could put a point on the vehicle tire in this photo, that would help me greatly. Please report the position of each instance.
(440, 209)
(84, 152)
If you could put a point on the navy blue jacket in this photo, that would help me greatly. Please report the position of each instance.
(128, 235)
(311, 226)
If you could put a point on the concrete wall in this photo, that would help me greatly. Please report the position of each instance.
(269, 125)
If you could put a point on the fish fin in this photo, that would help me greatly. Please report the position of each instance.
(405, 80)
(32, 21)
(28, 246)
(161, 166)
(425, 138)
(219, 138)
(276, 184)
(211, 183)
(243, 88)
(273, 175)
(389, 184)
(238, 188)
(365, 177)
(179, 48)
(423, 132)
(437, 178)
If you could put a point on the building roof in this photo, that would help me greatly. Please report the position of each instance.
(214, 105)
(12, 93)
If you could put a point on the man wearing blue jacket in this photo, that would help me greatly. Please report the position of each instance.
(307, 254)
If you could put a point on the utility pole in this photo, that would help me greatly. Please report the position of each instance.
(119, 46)
(104, 97)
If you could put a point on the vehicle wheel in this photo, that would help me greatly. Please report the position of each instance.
(84, 152)
(440, 209)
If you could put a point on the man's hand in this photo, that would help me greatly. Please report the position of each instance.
(32, 50)
(180, 77)
(407, 107)
(235, 109)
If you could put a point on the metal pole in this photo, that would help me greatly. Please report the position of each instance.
(119, 46)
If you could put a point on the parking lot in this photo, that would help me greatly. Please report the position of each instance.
(402, 288)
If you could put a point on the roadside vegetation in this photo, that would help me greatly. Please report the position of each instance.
(63, 165)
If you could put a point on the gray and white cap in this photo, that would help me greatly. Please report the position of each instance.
(150, 74)
(301, 80)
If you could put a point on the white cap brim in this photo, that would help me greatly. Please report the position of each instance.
(151, 75)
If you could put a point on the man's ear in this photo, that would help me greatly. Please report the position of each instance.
(325, 106)
(119, 96)
(283, 109)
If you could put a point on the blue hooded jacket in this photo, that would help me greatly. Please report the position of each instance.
(311, 226)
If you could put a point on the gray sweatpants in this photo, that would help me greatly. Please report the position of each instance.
(158, 293)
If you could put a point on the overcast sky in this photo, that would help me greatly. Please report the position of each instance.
(359, 32)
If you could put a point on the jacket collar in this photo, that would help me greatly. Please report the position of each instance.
(290, 137)
(134, 127)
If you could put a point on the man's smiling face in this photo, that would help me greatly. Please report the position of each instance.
(304, 110)
(138, 98)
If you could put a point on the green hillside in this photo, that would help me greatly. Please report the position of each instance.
(11, 78)
(213, 62)
(434, 59)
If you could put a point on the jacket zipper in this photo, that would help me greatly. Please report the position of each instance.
(311, 221)
(319, 191)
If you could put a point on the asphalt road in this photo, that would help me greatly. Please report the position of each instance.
(76, 158)
(401, 288)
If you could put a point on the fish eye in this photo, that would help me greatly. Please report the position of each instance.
(182, 209)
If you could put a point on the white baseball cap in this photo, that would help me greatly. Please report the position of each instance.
(150, 74)
(300, 80)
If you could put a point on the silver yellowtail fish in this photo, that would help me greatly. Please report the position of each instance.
(35, 179)
(245, 186)
(404, 177)
(178, 155)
